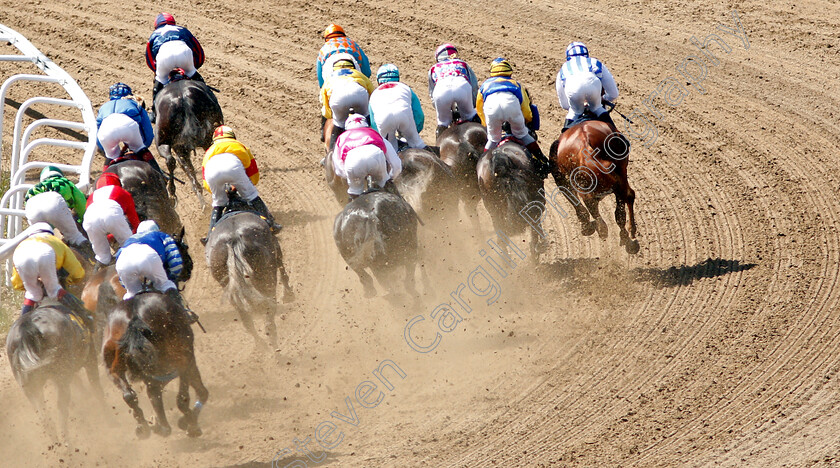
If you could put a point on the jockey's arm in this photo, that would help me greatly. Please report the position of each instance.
(431, 87)
(150, 58)
(365, 63)
(65, 258)
(609, 85)
(195, 46)
(525, 105)
(474, 84)
(393, 160)
(318, 71)
(561, 93)
(372, 118)
(417, 110)
(79, 202)
(479, 107)
(173, 261)
(146, 129)
(325, 101)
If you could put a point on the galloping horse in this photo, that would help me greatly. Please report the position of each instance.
(148, 338)
(378, 230)
(426, 183)
(508, 181)
(51, 343)
(590, 162)
(244, 258)
(187, 113)
(148, 188)
(461, 145)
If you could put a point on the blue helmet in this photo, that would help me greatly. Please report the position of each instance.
(119, 90)
(575, 49)
(387, 72)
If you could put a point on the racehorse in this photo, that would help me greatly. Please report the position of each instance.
(508, 181)
(51, 343)
(148, 188)
(589, 161)
(187, 113)
(244, 258)
(461, 145)
(426, 183)
(148, 338)
(378, 231)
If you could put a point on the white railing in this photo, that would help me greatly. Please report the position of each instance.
(11, 203)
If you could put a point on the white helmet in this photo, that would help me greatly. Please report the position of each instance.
(147, 226)
(355, 121)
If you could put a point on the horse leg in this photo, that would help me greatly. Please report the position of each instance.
(288, 294)
(183, 403)
(367, 282)
(248, 323)
(166, 152)
(410, 279)
(117, 373)
(201, 393)
(270, 327)
(62, 384)
(187, 165)
(632, 246)
(591, 203)
(92, 371)
(34, 391)
(155, 391)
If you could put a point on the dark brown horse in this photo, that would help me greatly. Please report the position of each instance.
(508, 181)
(148, 338)
(244, 257)
(590, 162)
(427, 183)
(187, 113)
(148, 188)
(461, 145)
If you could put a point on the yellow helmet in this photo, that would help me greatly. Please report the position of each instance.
(344, 63)
(223, 131)
(333, 30)
(501, 67)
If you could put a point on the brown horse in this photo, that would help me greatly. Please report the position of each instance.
(590, 162)
(461, 145)
(508, 181)
(148, 189)
(148, 338)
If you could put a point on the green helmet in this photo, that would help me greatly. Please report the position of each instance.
(50, 172)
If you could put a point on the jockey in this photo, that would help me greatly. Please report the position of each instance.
(227, 161)
(110, 210)
(169, 47)
(37, 261)
(154, 256)
(53, 200)
(580, 82)
(451, 81)
(336, 42)
(395, 107)
(138, 138)
(346, 88)
(502, 99)
(360, 152)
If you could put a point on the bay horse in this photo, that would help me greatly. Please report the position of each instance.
(187, 113)
(461, 145)
(148, 188)
(148, 338)
(508, 181)
(589, 161)
(52, 343)
(378, 231)
(244, 257)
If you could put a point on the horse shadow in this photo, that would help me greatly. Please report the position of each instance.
(299, 217)
(684, 275)
(329, 457)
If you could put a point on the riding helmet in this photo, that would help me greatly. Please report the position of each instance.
(50, 172)
(147, 226)
(575, 49)
(223, 131)
(355, 121)
(108, 178)
(118, 91)
(387, 72)
(501, 67)
(445, 52)
(333, 30)
(164, 18)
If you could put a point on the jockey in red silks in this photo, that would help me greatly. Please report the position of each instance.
(110, 210)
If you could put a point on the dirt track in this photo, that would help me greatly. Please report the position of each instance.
(717, 344)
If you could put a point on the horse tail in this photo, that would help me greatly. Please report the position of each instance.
(510, 182)
(552, 152)
(240, 289)
(136, 345)
(468, 151)
(32, 351)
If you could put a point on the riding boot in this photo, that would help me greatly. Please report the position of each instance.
(28, 305)
(155, 90)
(440, 129)
(391, 187)
(215, 215)
(74, 304)
(567, 125)
(197, 77)
(259, 205)
(176, 297)
(336, 131)
(433, 149)
(542, 163)
(323, 122)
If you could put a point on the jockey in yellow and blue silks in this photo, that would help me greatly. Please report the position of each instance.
(337, 42)
(346, 88)
(502, 99)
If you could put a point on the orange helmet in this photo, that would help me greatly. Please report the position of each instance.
(223, 131)
(333, 30)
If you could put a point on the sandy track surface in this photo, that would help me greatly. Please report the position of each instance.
(716, 344)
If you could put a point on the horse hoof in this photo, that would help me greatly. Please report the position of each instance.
(183, 424)
(602, 230)
(162, 431)
(632, 247)
(288, 297)
(194, 431)
(369, 293)
(142, 431)
(588, 229)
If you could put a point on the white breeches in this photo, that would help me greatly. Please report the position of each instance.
(367, 160)
(449, 91)
(347, 94)
(394, 118)
(500, 108)
(117, 129)
(139, 263)
(102, 218)
(226, 168)
(35, 260)
(174, 54)
(50, 207)
(582, 89)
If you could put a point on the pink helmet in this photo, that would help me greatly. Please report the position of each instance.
(355, 121)
(445, 51)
